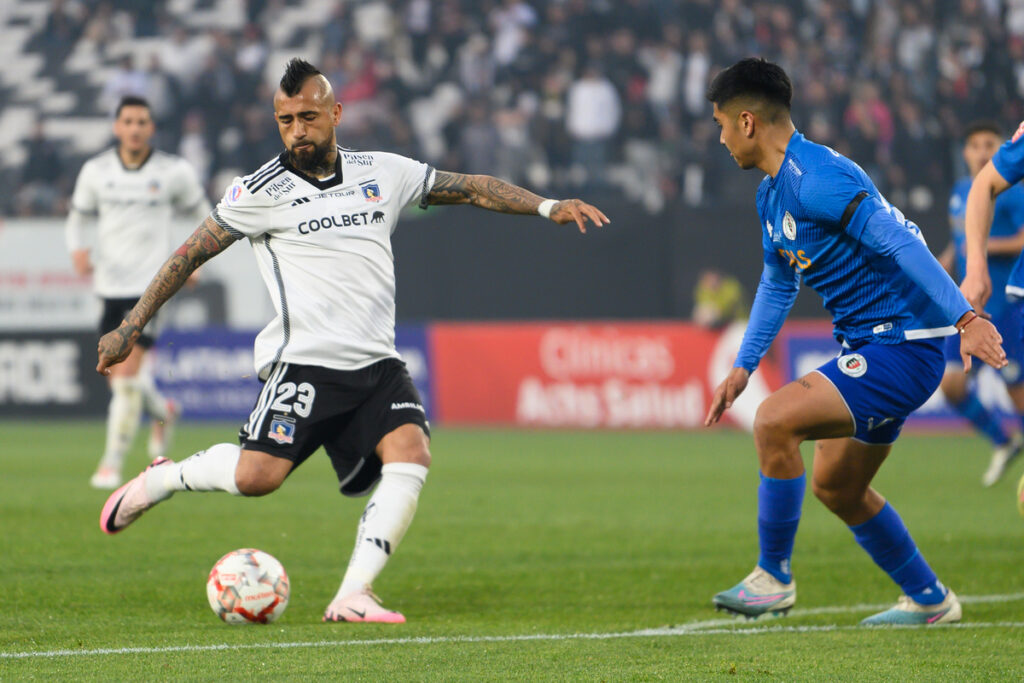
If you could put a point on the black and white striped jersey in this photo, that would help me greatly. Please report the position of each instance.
(323, 248)
(133, 210)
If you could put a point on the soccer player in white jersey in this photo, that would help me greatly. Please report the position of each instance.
(133, 192)
(319, 220)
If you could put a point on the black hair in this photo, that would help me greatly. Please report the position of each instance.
(753, 78)
(982, 126)
(131, 101)
(296, 74)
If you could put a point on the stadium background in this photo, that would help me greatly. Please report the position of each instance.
(597, 99)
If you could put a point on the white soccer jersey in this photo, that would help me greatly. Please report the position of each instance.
(134, 208)
(324, 250)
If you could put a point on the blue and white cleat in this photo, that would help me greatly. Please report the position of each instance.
(759, 593)
(907, 612)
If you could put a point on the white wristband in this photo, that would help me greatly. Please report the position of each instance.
(545, 207)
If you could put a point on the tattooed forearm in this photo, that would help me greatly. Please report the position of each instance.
(484, 191)
(207, 241)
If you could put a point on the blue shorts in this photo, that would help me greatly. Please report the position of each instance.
(883, 383)
(1010, 324)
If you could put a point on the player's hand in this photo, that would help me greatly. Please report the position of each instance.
(731, 387)
(80, 262)
(977, 288)
(981, 339)
(570, 210)
(114, 347)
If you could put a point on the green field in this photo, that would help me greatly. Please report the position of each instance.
(534, 556)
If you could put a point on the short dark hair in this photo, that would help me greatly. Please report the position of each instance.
(131, 101)
(753, 78)
(982, 126)
(296, 74)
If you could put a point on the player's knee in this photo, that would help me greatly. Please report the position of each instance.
(255, 482)
(771, 429)
(406, 444)
(840, 501)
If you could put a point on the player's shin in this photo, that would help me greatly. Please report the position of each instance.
(384, 522)
(887, 541)
(209, 470)
(779, 502)
(122, 421)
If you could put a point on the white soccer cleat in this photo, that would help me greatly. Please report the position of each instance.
(908, 612)
(1001, 459)
(161, 432)
(759, 593)
(127, 504)
(106, 478)
(361, 606)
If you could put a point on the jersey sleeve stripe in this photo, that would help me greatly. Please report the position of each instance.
(215, 215)
(266, 179)
(263, 173)
(851, 209)
(427, 186)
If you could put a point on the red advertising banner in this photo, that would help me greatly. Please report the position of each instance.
(617, 376)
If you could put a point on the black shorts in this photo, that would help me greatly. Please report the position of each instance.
(348, 412)
(114, 311)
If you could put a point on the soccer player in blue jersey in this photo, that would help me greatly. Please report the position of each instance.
(825, 223)
(980, 143)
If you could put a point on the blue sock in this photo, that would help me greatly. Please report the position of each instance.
(983, 420)
(889, 544)
(779, 502)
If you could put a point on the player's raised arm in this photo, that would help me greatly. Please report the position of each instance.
(207, 241)
(977, 285)
(494, 194)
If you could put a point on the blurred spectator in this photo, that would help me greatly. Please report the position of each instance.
(126, 80)
(39, 193)
(592, 119)
(718, 300)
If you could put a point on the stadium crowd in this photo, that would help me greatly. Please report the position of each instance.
(561, 95)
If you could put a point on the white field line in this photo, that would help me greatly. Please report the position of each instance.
(695, 628)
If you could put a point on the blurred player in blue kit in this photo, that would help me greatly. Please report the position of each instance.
(823, 221)
(981, 141)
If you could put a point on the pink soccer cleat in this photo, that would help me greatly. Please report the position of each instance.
(361, 606)
(127, 504)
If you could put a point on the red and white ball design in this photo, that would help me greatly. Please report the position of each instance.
(248, 586)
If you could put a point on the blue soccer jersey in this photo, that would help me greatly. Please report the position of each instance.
(825, 222)
(1007, 221)
(1009, 161)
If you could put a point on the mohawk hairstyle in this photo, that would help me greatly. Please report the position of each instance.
(131, 101)
(753, 78)
(296, 74)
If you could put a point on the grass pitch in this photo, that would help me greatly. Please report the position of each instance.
(534, 555)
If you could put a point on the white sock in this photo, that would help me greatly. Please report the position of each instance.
(384, 522)
(209, 470)
(155, 402)
(122, 420)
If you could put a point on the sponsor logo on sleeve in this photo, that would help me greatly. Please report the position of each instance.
(233, 193)
(852, 364)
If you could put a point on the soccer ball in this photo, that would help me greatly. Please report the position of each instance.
(247, 586)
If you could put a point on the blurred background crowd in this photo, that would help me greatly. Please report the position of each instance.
(560, 95)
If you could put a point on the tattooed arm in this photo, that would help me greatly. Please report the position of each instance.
(207, 241)
(493, 194)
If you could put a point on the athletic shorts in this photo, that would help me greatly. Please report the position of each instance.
(883, 383)
(1009, 323)
(114, 311)
(348, 412)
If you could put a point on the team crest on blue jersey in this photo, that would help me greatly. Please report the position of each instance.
(852, 364)
(789, 226)
(282, 430)
(371, 191)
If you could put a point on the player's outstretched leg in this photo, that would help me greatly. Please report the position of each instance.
(925, 599)
(209, 470)
(384, 522)
(770, 588)
(1001, 458)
